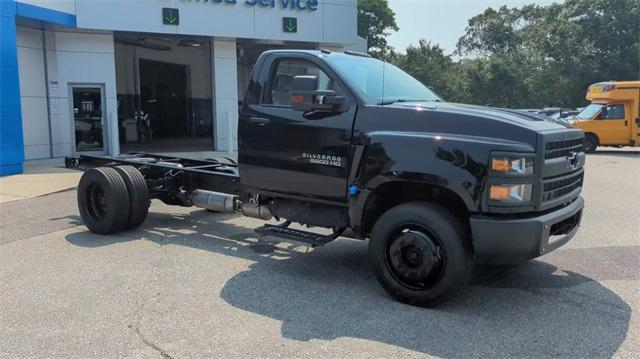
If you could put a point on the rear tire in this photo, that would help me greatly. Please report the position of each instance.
(420, 253)
(590, 143)
(103, 200)
(139, 200)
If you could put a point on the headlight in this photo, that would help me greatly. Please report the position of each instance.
(516, 166)
(510, 193)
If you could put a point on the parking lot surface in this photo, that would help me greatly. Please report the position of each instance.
(189, 283)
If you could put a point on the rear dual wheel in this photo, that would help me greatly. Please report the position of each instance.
(139, 200)
(113, 199)
(421, 255)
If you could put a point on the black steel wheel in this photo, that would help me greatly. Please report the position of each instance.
(415, 257)
(590, 143)
(103, 200)
(139, 200)
(420, 253)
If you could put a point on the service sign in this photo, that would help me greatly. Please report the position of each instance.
(301, 5)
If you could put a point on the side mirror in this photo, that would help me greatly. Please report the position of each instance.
(306, 97)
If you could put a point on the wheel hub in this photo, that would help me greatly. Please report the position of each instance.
(415, 258)
(96, 202)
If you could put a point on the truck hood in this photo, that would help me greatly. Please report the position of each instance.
(514, 117)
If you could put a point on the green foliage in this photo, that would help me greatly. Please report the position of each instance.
(534, 56)
(430, 65)
(376, 20)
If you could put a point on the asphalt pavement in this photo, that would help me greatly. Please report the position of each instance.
(189, 283)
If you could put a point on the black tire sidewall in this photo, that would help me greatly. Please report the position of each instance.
(115, 191)
(590, 139)
(139, 200)
(449, 232)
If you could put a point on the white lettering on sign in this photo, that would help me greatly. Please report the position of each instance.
(311, 5)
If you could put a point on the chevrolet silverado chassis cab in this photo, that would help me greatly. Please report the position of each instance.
(349, 143)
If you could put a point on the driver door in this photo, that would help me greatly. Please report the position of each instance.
(613, 125)
(287, 151)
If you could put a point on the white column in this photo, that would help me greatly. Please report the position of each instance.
(59, 134)
(225, 92)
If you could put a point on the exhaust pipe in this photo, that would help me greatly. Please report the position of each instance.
(256, 211)
(215, 201)
(226, 203)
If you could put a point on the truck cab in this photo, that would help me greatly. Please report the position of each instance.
(613, 117)
(361, 142)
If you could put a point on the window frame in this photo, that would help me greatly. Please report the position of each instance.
(272, 64)
(605, 107)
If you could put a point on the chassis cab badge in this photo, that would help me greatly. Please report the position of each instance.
(320, 159)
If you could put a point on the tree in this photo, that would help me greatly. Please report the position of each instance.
(538, 56)
(376, 20)
(429, 64)
(533, 56)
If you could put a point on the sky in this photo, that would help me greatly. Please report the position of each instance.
(441, 21)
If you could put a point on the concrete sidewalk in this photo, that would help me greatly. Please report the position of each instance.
(49, 176)
(39, 178)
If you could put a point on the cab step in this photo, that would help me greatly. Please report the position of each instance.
(313, 239)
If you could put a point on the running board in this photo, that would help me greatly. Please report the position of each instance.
(313, 239)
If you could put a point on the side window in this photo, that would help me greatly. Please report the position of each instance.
(280, 85)
(613, 112)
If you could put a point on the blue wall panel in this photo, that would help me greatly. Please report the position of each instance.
(48, 15)
(11, 140)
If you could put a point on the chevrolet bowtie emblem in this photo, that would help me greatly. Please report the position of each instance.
(575, 160)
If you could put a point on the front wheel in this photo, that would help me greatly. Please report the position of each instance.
(420, 253)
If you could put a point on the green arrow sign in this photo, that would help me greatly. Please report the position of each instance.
(170, 16)
(290, 24)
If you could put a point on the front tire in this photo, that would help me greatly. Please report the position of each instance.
(103, 200)
(420, 253)
(590, 143)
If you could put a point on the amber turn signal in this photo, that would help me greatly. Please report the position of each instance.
(510, 192)
(499, 193)
(501, 165)
(516, 166)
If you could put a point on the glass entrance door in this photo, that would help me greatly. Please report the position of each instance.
(88, 116)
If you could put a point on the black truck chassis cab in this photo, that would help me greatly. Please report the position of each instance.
(350, 143)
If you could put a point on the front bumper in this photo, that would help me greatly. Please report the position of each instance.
(502, 241)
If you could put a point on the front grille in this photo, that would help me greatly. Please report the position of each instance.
(562, 148)
(556, 187)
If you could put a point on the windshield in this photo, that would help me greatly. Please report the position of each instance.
(589, 112)
(380, 83)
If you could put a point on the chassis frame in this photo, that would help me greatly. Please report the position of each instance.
(170, 178)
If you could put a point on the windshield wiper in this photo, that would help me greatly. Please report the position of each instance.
(391, 102)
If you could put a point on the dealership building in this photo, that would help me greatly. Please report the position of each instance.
(116, 76)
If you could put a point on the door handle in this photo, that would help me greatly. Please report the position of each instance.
(260, 121)
(625, 123)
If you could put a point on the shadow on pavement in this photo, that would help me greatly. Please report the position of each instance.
(536, 309)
